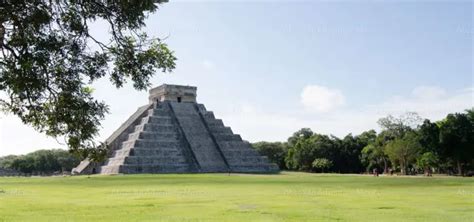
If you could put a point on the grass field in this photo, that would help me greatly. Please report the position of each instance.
(220, 197)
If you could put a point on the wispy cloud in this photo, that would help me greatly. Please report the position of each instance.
(321, 99)
(257, 123)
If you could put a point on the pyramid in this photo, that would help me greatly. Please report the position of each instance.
(175, 134)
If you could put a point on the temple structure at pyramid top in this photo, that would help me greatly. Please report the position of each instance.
(175, 134)
(176, 93)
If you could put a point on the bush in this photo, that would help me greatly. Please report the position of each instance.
(321, 164)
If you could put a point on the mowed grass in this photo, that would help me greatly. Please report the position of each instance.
(236, 197)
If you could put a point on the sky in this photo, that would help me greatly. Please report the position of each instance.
(269, 68)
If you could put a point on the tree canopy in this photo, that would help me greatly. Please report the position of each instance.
(41, 162)
(405, 143)
(49, 59)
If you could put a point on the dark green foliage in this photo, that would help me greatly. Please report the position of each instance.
(302, 154)
(427, 161)
(49, 59)
(347, 154)
(343, 155)
(41, 162)
(428, 134)
(402, 144)
(6, 161)
(301, 134)
(403, 151)
(276, 152)
(457, 139)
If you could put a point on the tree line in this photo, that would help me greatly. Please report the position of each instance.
(406, 144)
(41, 162)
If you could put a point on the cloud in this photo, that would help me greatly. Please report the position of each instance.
(430, 102)
(321, 98)
(428, 92)
(257, 123)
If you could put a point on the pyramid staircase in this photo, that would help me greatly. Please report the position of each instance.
(180, 137)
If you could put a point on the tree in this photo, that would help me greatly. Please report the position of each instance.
(457, 139)
(24, 164)
(347, 152)
(321, 164)
(66, 160)
(427, 161)
(470, 114)
(298, 137)
(404, 151)
(41, 162)
(373, 155)
(429, 137)
(302, 134)
(49, 60)
(302, 155)
(367, 137)
(398, 126)
(392, 128)
(6, 161)
(276, 152)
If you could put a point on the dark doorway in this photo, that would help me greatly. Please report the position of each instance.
(179, 99)
(94, 171)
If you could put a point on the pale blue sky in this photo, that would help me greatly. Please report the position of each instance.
(269, 68)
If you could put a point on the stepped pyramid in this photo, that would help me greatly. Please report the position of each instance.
(175, 134)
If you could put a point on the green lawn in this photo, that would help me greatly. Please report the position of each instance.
(220, 197)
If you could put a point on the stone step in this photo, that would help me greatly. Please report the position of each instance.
(153, 136)
(238, 162)
(201, 108)
(158, 128)
(200, 141)
(208, 115)
(144, 143)
(227, 137)
(214, 122)
(158, 106)
(158, 112)
(247, 159)
(155, 168)
(147, 152)
(165, 120)
(140, 160)
(233, 153)
(229, 145)
(220, 129)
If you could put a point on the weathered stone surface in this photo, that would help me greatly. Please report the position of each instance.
(172, 135)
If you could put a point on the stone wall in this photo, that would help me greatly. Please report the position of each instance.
(172, 93)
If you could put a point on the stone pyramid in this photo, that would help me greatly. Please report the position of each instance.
(175, 134)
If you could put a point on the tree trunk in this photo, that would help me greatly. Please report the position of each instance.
(459, 168)
(385, 166)
(403, 171)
